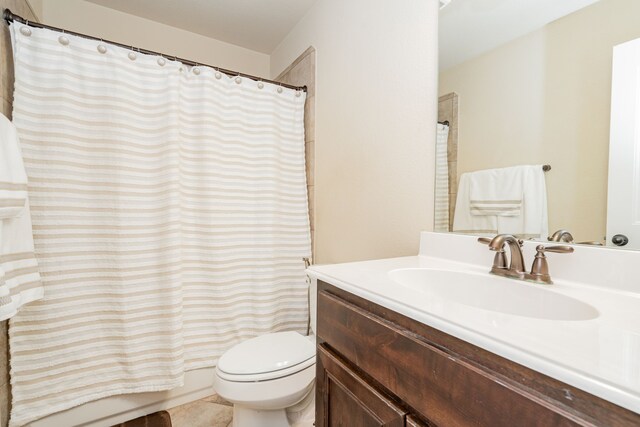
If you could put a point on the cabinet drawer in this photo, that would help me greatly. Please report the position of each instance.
(441, 386)
(349, 400)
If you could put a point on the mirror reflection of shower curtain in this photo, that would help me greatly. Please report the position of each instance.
(170, 218)
(441, 219)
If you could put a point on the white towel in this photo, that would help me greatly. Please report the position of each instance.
(19, 277)
(497, 191)
(532, 222)
(463, 220)
(13, 178)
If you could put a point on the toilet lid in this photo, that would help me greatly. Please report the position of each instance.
(267, 353)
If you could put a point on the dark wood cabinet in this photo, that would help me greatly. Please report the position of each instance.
(412, 421)
(378, 368)
(351, 401)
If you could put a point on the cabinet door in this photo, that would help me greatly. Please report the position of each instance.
(343, 398)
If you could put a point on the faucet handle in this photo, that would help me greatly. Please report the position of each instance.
(540, 267)
(488, 240)
(500, 259)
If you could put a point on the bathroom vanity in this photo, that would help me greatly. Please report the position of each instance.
(389, 354)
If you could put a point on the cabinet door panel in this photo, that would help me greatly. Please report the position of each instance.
(348, 400)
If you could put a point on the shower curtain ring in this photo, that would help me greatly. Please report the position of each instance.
(102, 48)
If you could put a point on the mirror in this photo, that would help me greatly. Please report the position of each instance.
(530, 83)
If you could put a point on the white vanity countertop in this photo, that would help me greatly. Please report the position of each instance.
(600, 356)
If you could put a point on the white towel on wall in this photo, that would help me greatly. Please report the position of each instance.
(532, 222)
(19, 277)
(13, 178)
(463, 220)
(441, 221)
(497, 191)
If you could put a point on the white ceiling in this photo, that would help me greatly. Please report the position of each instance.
(469, 28)
(258, 25)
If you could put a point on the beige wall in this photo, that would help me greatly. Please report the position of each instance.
(375, 125)
(99, 21)
(545, 98)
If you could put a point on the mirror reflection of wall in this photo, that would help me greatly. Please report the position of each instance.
(540, 98)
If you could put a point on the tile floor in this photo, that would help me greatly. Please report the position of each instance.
(211, 411)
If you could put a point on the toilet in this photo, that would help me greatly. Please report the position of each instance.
(270, 379)
(266, 375)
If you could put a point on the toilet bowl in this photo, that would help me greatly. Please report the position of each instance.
(266, 375)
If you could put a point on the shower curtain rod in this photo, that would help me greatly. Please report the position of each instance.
(10, 16)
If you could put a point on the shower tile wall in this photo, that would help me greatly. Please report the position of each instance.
(448, 111)
(302, 72)
(19, 7)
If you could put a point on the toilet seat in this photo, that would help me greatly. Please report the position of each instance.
(267, 357)
(274, 394)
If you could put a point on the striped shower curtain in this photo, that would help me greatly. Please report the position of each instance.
(169, 214)
(441, 217)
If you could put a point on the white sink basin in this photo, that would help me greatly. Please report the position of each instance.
(494, 293)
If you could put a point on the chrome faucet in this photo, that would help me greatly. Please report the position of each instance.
(540, 268)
